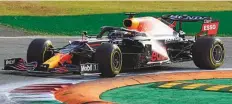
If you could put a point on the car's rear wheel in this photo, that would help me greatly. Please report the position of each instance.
(109, 59)
(208, 53)
(38, 50)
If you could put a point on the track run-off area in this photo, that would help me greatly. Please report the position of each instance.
(12, 47)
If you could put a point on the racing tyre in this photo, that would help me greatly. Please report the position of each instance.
(208, 53)
(38, 50)
(109, 59)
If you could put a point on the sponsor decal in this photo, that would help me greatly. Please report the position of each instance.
(210, 28)
(10, 61)
(170, 40)
(157, 57)
(89, 67)
(180, 17)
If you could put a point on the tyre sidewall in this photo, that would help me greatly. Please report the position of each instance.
(216, 42)
(104, 57)
(203, 52)
(115, 50)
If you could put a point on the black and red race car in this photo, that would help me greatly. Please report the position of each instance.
(142, 42)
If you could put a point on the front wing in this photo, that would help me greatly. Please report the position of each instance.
(19, 64)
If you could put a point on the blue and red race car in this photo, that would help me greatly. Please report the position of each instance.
(142, 42)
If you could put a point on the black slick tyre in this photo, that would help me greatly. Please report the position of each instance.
(208, 53)
(38, 51)
(109, 59)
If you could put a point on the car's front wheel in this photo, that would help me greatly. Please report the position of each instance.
(38, 51)
(109, 59)
(208, 53)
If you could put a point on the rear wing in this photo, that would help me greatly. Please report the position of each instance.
(186, 18)
(209, 26)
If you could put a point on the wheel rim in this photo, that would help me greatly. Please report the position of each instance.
(218, 53)
(47, 53)
(116, 60)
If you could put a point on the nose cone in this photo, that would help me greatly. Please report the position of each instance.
(53, 61)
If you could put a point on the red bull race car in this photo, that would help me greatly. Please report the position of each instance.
(142, 42)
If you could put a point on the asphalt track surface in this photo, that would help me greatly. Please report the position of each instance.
(12, 47)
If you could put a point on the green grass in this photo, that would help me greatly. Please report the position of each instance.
(74, 25)
(73, 17)
(147, 94)
(48, 8)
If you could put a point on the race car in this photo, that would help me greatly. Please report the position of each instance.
(142, 42)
